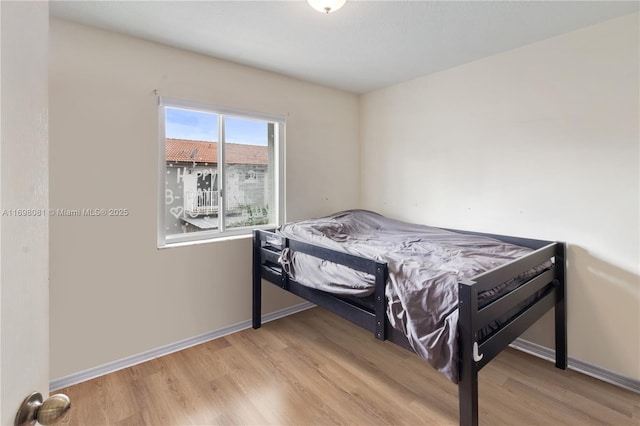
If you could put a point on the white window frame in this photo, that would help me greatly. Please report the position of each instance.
(172, 240)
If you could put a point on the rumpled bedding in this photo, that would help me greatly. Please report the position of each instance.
(425, 265)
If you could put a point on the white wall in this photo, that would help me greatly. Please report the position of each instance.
(113, 294)
(24, 286)
(542, 142)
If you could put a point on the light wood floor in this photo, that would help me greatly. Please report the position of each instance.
(314, 368)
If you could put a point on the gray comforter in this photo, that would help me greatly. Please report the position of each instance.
(425, 265)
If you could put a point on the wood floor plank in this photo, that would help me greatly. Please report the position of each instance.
(314, 368)
(583, 389)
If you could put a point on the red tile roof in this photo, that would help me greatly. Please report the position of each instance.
(182, 150)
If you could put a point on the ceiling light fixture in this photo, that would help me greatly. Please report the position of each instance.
(326, 6)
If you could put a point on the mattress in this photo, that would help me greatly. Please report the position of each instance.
(425, 265)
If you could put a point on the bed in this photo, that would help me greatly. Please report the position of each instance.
(456, 298)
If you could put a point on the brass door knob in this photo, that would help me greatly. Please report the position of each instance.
(49, 412)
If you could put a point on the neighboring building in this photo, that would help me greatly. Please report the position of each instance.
(193, 185)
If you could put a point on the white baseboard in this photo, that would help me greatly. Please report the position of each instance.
(110, 367)
(577, 365)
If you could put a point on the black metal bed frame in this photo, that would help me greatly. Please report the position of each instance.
(548, 289)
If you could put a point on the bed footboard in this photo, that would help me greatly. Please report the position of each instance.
(548, 288)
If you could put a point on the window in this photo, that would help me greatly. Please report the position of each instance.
(221, 172)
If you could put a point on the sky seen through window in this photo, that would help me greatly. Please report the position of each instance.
(202, 126)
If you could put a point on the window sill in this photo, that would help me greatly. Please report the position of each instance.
(206, 241)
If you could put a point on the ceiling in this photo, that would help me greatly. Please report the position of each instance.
(364, 46)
